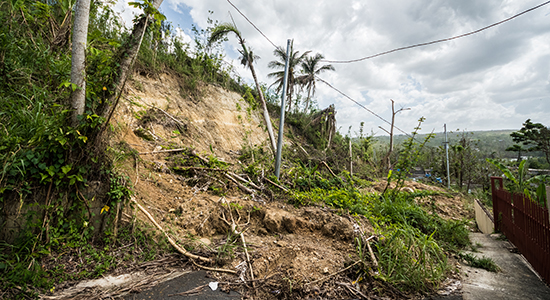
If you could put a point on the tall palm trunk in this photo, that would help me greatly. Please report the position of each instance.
(78, 59)
(308, 98)
(264, 107)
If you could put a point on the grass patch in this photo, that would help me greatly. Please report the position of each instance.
(410, 259)
(485, 263)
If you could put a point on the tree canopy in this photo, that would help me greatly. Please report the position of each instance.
(535, 136)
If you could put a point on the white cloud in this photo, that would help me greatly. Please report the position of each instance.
(491, 80)
(127, 12)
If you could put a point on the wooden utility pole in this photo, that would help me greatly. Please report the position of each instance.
(350, 158)
(393, 113)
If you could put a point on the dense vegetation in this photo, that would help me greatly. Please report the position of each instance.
(49, 165)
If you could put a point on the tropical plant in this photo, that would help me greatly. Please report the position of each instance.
(247, 59)
(295, 58)
(521, 184)
(311, 68)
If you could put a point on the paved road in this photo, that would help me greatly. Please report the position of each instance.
(169, 289)
(515, 281)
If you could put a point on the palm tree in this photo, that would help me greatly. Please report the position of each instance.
(311, 68)
(294, 60)
(247, 59)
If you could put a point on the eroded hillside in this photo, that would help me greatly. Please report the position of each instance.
(186, 171)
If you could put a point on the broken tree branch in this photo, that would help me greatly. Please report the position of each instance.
(373, 258)
(163, 151)
(214, 269)
(240, 185)
(275, 184)
(168, 115)
(329, 169)
(170, 240)
(252, 184)
(335, 273)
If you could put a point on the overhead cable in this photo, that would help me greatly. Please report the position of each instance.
(252, 24)
(364, 107)
(437, 41)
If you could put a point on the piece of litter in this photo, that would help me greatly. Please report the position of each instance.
(213, 285)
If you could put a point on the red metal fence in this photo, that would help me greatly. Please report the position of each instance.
(525, 224)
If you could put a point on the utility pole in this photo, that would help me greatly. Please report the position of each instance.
(447, 153)
(282, 120)
(350, 158)
(393, 113)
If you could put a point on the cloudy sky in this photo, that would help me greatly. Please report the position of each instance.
(495, 79)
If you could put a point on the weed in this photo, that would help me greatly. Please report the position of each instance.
(410, 259)
(226, 250)
(485, 263)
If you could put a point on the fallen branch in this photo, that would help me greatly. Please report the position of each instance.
(163, 151)
(329, 169)
(214, 269)
(240, 185)
(168, 115)
(335, 273)
(252, 184)
(233, 225)
(373, 258)
(170, 240)
(353, 290)
(277, 185)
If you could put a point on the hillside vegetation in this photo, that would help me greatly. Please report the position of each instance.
(172, 168)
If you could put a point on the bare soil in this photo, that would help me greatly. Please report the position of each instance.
(294, 251)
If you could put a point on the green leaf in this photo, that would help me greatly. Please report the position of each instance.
(66, 168)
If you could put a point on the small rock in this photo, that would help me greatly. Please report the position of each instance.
(205, 241)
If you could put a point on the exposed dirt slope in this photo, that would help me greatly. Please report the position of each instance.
(293, 246)
(214, 120)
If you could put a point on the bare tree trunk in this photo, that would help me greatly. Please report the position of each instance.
(127, 58)
(264, 108)
(391, 133)
(78, 59)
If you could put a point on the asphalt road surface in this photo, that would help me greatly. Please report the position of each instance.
(186, 284)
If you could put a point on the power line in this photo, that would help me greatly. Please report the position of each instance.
(437, 41)
(252, 24)
(364, 107)
(337, 90)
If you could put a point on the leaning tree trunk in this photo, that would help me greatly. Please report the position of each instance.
(127, 58)
(308, 98)
(264, 107)
(78, 59)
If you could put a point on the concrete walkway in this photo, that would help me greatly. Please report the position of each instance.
(515, 281)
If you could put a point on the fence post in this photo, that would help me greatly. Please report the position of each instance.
(494, 197)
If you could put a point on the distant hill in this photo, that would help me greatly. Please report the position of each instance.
(487, 141)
